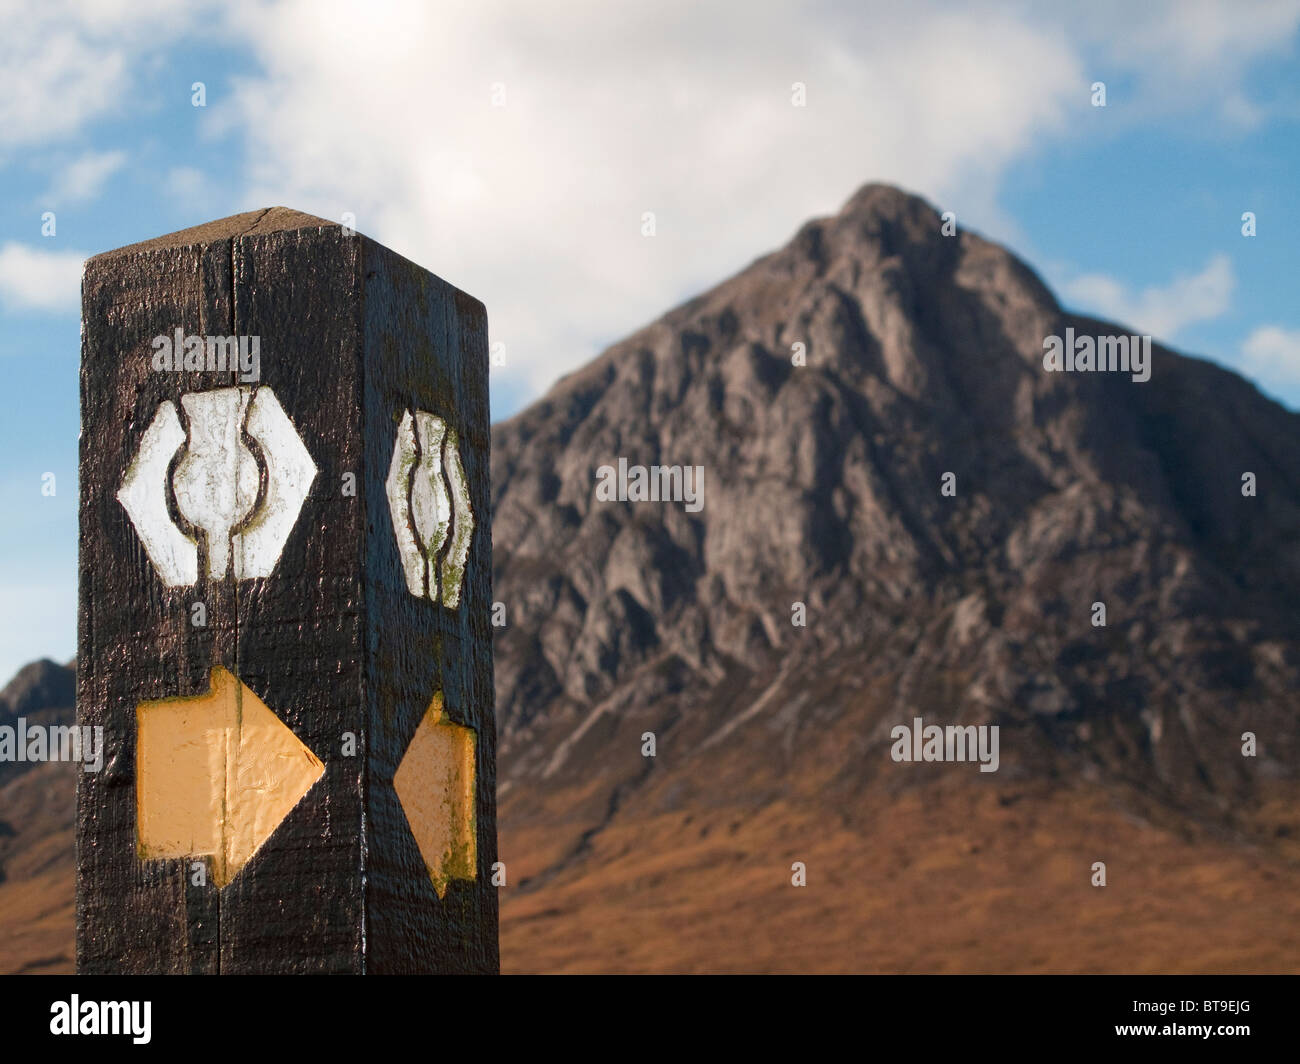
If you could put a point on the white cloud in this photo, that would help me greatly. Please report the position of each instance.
(82, 179)
(679, 108)
(1159, 311)
(1271, 355)
(193, 188)
(67, 62)
(34, 279)
(684, 109)
(672, 106)
(1187, 56)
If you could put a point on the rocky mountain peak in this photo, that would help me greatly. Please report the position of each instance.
(881, 446)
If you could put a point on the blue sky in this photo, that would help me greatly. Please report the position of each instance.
(514, 152)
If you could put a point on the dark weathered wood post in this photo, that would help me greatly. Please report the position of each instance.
(285, 586)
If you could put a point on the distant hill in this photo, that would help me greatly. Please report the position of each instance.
(37, 809)
(41, 687)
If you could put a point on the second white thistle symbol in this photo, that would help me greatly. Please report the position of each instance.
(429, 501)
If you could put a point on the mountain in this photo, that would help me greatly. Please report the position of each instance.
(823, 486)
(823, 502)
(39, 687)
(37, 810)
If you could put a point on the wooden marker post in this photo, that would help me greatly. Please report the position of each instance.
(285, 585)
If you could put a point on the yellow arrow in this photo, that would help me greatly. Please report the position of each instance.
(435, 785)
(215, 775)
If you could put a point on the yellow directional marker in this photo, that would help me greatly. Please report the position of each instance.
(435, 784)
(215, 775)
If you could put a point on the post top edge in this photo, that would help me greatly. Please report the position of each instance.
(249, 223)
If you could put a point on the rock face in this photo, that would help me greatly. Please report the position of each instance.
(822, 486)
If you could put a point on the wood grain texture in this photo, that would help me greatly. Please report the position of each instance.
(351, 336)
(434, 340)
